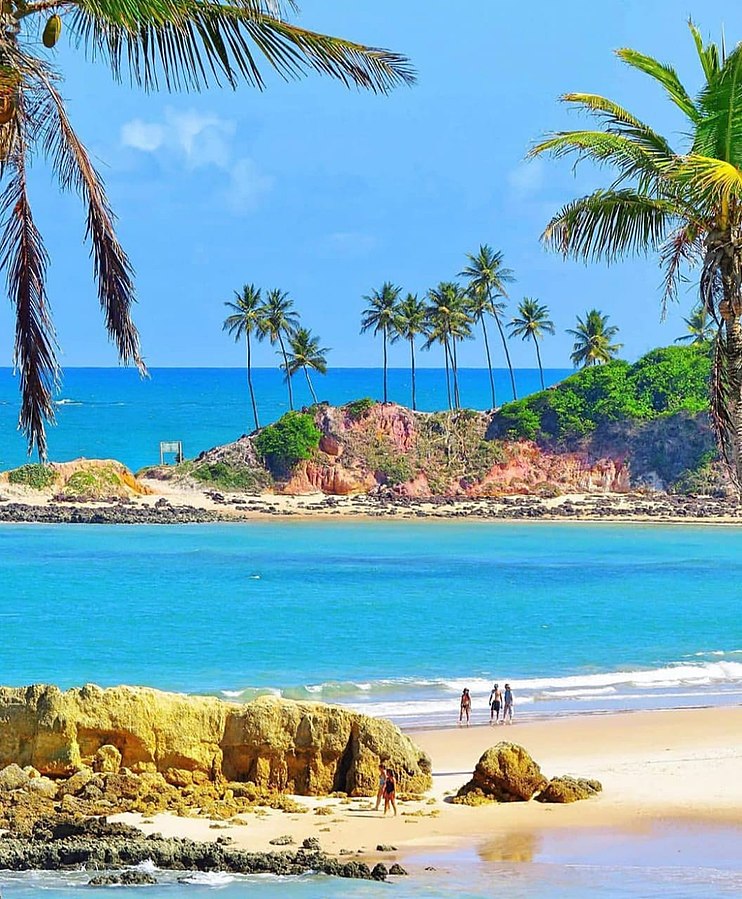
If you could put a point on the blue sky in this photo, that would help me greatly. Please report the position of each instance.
(326, 192)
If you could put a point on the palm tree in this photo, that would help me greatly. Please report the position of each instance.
(279, 319)
(593, 337)
(487, 279)
(181, 45)
(700, 328)
(378, 317)
(305, 352)
(410, 321)
(449, 321)
(531, 323)
(685, 204)
(245, 321)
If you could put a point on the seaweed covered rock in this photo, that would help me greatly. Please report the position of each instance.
(569, 789)
(108, 742)
(505, 773)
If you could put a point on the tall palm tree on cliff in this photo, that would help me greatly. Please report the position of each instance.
(593, 340)
(378, 317)
(531, 323)
(180, 45)
(410, 321)
(487, 279)
(700, 328)
(279, 320)
(448, 322)
(245, 322)
(305, 353)
(685, 204)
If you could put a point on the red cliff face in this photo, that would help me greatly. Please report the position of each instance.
(420, 455)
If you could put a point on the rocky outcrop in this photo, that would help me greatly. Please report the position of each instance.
(569, 789)
(273, 743)
(507, 773)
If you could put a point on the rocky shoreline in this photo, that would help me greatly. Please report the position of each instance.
(99, 846)
(237, 507)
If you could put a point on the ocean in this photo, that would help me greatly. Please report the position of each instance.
(391, 618)
(112, 413)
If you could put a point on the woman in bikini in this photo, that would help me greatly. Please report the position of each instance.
(382, 786)
(465, 706)
(390, 791)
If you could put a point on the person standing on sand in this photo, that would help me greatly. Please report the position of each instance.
(465, 709)
(390, 791)
(507, 712)
(382, 786)
(495, 703)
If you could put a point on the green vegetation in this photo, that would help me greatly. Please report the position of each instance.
(292, 438)
(35, 475)
(359, 408)
(92, 483)
(225, 476)
(663, 382)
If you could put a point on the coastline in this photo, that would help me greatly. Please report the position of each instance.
(680, 767)
(188, 506)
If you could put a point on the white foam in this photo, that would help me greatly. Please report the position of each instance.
(209, 878)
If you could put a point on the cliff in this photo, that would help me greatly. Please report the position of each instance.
(275, 744)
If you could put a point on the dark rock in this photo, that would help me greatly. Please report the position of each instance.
(311, 843)
(386, 847)
(397, 870)
(285, 840)
(126, 878)
(569, 789)
(379, 872)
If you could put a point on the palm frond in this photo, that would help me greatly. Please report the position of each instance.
(711, 181)
(189, 44)
(708, 54)
(618, 120)
(112, 269)
(719, 132)
(682, 249)
(666, 76)
(24, 259)
(608, 224)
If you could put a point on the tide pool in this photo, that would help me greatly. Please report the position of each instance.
(393, 618)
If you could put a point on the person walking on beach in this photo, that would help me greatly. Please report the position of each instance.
(465, 708)
(507, 711)
(382, 786)
(390, 791)
(495, 703)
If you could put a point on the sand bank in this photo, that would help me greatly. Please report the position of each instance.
(682, 765)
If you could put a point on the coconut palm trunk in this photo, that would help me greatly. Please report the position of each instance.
(507, 355)
(448, 375)
(309, 382)
(286, 369)
(726, 399)
(412, 369)
(455, 368)
(385, 364)
(249, 382)
(489, 363)
(540, 366)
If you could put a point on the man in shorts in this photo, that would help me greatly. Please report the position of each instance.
(507, 711)
(495, 704)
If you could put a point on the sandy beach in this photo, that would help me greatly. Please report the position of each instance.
(168, 503)
(681, 766)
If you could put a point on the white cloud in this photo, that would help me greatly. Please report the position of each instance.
(527, 178)
(142, 135)
(198, 141)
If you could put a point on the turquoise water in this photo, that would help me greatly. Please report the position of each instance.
(393, 618)
(113, 413)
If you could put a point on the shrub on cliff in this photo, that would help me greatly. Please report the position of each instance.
(291, 439)
(34, 475)
(663, 382)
